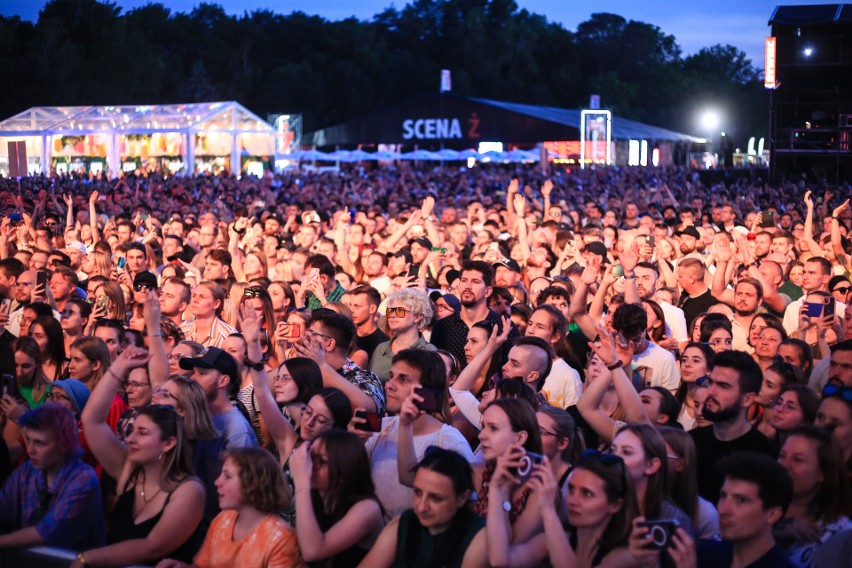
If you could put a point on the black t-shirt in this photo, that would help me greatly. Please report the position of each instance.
(710, 450)
(698, 305)
(715, 554)
(369, 342)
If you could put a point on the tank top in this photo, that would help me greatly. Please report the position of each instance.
(416, 547)
(122, 527)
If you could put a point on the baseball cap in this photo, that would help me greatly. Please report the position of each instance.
(213, 358)
(509, 263)
(422, 241)
(598, 248)
(689, 231)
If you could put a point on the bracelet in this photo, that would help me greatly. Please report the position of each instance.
(155, 335)
(614, 366)
(630, 276)
(81, 559)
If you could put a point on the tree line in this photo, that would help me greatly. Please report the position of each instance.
(83, 52)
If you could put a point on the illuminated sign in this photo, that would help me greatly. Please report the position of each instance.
(769, 79)
(595, 137)
(431, 128)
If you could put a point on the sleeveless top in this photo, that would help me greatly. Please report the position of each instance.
(352, 556)
(417, 548)
(599, 555)
(122, 527)
(481, 504)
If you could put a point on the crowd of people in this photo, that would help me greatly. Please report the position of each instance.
(497, 366)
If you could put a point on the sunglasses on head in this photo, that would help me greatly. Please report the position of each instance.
(844, 393)
(252, 292)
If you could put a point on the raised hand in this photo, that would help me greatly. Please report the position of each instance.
(808, 200)
(547, 188)
(249, 324)
(520, 204)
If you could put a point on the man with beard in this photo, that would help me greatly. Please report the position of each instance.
(507, 272)
(745, 298)
(688, 238)
(473, 288)
(733, 383)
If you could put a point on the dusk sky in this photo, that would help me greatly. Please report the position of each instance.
(742, 23)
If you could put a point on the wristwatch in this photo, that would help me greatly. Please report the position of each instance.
(615, 366)
(507, 506)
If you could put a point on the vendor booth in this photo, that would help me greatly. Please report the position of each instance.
(177, 138)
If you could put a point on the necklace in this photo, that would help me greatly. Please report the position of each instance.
(142, 490)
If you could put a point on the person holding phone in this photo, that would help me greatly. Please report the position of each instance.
(601, 505)
(403, 439)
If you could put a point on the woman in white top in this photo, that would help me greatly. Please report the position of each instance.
(402, 441)
(206, 305)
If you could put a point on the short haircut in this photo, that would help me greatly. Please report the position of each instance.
(136, 246)
(544, 367)
(185, 290)
(480, 266)
(804, 352)
(322, 263)
(754, 283)
(60, 421)
(69, 275)
(750, 375)
(374, 297)
(221, 256)
(12, 267)
(417, 301)
(694, 265)
(336, 325)
(825, 265)
(842, 346)
(553, 291)
(649, 266)
(774, 485)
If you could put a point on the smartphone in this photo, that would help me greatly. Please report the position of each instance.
(121, 262)
(101, 304)
(5, 306)
(618, 271)
(649, 240)
(313, 274)
(352, 213)
(814, 309)
(767, 219)
(413, 270)
(830, 305)
(661, 531)
(529, 460)
(433, 399)
(439, 249)
(372, 421)
(264, 336)
(8, 385)
(41, 278)
(173, 258)
(290, 331)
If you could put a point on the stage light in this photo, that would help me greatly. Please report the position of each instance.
(710, 120)
(808, 51)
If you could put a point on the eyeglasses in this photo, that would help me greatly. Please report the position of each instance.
(136, 385)
(57, 397)
(161, 391)
(318, 334)
(398, 312)
(788, 406)
(310, 415)
(283, 378)
(176, 357)
(836, 391)
(545, 432)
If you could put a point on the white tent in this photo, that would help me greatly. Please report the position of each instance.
(226, 130)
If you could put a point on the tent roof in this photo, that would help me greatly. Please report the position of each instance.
(134, 119)
(455, 119)
(810, 15)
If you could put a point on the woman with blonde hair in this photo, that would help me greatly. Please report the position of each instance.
(97, 263)
(409, 311)
(208, 328)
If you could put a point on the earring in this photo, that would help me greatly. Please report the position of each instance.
(161, 457)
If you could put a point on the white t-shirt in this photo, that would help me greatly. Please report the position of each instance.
(656, 368)
(562, 387)
(382, 447)
(675, 322)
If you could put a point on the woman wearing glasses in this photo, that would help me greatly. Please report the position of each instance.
(160, 502)
(796, 406)
(601, 506)
(408, 313)
(181, 350)
(775, 379)
(295, 384)
(561, 441)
